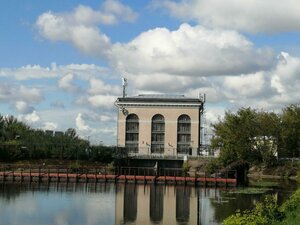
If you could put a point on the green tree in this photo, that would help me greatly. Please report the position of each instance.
(233, 135)
(290, 132)
(249, 135)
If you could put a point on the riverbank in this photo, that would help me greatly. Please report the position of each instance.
(268, 212)
(291, 210)
(285, 170)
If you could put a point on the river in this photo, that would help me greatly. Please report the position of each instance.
(123, 204)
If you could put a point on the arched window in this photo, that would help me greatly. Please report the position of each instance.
(158, 134)
(183, 134)
(132, 133)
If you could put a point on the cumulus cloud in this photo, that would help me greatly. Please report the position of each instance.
(9, 93)
(50, 126)
(80, 26)
(31, 117)
(80, 123)
(190, 51)
(247, 15)
(29, 72)
(67, 83)
(23, 107)
(97, 86)
(102, 101)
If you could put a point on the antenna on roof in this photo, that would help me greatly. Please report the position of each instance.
(202, 97)
(124, 84)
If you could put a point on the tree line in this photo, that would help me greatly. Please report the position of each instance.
(258, 136)
(18, 141)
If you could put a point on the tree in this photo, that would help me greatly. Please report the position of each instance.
(290, 132)
(248, 134)
(234, 135)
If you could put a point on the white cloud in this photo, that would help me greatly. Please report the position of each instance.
(23, 107)
(9, 93)
(245, 85)
(119, 10)
(50, 126)
(29, 72)
(102, 101)
(246, 15)
(97, 86)
(80, 26)
(29, 94)
(31, 117)
(190, 51)
(80, 123)
(87, 39)
(67, 83)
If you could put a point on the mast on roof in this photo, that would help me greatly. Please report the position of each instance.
(124, 84)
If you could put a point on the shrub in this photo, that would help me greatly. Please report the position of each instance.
(292, 203)
(264, 213)
(212, 166)
(185, 166)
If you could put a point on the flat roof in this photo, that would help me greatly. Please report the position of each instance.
(159, 98)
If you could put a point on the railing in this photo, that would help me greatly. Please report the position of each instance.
(38, 173)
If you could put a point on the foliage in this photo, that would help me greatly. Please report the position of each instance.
(290, 131)
(264, 213)
(257, 136)
(212, 166)
(292, 203)
(101, 153)
(185, 166)
(268, 212)
(20, 142)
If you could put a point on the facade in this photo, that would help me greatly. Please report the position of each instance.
(161, 125)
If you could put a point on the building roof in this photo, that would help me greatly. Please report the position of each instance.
(159, 100)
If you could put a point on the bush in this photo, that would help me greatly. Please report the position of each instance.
(185, 166)
(264, 213)
(212, 166)
(292, 203)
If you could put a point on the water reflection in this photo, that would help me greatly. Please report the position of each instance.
(41, 204)
(182, 205)
(130, 203)
(120, 204)
(156, 204)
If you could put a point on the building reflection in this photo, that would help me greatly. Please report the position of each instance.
(155, 204)
(182, 205)
(130, 203)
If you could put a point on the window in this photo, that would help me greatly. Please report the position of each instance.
(183, 134)
(132, 133)
(157, 134)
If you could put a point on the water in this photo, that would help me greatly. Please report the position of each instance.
(121, 204)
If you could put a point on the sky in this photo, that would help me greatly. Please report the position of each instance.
(61, 62)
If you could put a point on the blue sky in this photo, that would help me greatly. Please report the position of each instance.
(61, 62)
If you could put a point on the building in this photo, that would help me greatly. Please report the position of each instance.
(159, 125)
